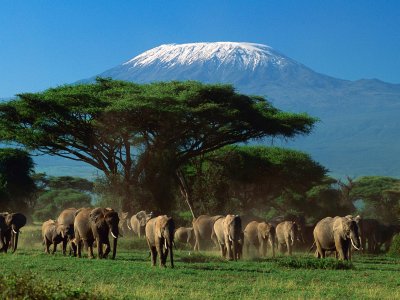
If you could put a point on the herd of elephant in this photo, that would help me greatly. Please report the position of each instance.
(232, 234)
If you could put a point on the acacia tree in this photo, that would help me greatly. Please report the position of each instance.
(250, 179)
(142, 133)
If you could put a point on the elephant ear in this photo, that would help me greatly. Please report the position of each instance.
(95, 214)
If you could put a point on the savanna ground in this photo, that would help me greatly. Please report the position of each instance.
(31, 274)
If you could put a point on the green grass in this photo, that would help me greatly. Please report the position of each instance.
(195, 276)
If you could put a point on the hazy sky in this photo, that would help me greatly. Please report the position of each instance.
(47, 43)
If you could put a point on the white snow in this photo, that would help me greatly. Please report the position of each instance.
(243, 55)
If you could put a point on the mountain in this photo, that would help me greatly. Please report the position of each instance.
(358, 132)
(359, 124)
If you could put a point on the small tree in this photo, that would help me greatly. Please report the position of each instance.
(16, 182)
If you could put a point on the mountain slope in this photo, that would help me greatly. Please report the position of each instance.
(359, 129)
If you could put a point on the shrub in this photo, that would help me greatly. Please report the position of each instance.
(314, 263)
(394, 249)
(26, 287)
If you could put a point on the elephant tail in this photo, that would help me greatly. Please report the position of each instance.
(312, 247)
(127, 224)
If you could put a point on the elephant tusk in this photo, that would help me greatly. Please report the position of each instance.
(113, 235)
(354, 245)
(165, 243)
(14, 231)
(230, 238)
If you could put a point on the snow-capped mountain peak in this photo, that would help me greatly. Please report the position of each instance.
(247, 56)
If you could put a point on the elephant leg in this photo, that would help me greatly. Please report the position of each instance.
(165, 257)
(228, 246)
(160, 253)
(64, 246)
(280, 248)
(153, 256)
(47, 246)
(54, 247)
(79, 246)
(90, 249)
(319, 252)
(340, 249)
(271, 241)
(108, 249)
(289, 246)
(99, 249)
(263, 249)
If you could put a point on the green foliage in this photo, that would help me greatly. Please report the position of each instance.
(27, 286)
(253, 179)
(143, 133)
(394, 249)
(53, 201)
(16, 182)
(58, 193)
(312, 263)
(381, 197)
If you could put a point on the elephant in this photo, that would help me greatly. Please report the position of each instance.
(259, 234)
(67, 218)
(369, 234)
(95, 225)
(185, 235)
(160, 239)
(287, 233)
(52, 233)
(228, 233)
(384, 235)
(138, 223)
(123, 222)
(336, 234)
(203, 227)
(10, 233)
(3, 230)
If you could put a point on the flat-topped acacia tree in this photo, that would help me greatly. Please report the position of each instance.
(142, 130)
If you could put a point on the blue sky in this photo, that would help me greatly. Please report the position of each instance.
(47, 43)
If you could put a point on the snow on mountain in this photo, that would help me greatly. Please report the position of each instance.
(243, 55)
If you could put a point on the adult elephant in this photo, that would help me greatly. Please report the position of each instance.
(66, 219)
(336, 234)
(3, 230)
(228, 232)
(9, 236)
(287, 233)
(203, 227)
(258, 234)
(160, 239)
(185, 235)
(123, 222)
(96, 224)
(138, 223)
(52, 234)
(369, 232)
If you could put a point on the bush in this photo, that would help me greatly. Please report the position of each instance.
(26, 287)
(394, 249)
(314, 263)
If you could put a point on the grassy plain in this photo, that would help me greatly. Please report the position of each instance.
(195, 276)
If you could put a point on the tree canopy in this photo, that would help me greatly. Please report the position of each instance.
(250, 179)
(142, 132)
(380, 196)
(16, 182)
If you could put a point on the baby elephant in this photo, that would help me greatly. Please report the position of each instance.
(52, 233)
(185, 235)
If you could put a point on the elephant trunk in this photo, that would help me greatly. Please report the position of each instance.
(114, 253)
(114, 233)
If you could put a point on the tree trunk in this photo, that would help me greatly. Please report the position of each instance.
(185, 191)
